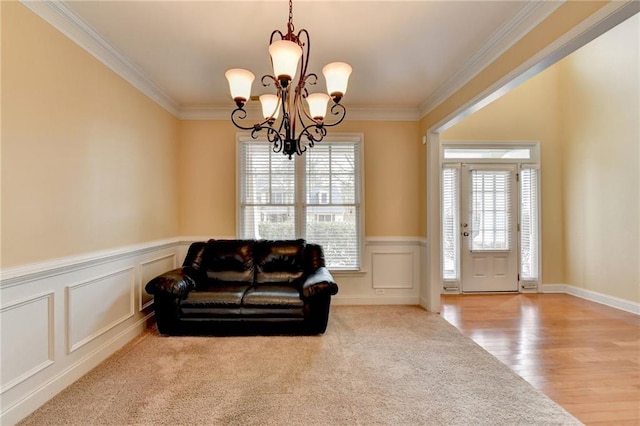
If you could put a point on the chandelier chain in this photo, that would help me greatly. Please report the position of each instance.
(290, 11)
(290, 27)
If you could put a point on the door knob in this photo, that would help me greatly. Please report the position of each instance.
(465, 234)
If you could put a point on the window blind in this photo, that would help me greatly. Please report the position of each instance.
(450, 224)
(332, 202)
(529, 232)
(490, 210)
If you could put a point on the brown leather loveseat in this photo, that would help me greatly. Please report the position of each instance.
(245, 281)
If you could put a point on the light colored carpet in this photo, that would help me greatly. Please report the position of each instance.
(382, 365)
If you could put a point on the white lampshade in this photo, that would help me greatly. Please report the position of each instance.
(240, 82)
(270, 104)
(337, 76)
(285, 56)
(318, 105)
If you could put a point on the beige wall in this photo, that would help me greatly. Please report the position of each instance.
(600, 92)
(88, 162)
(207, 178)
(529, 113)
(208, 174)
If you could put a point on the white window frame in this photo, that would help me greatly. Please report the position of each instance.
(531, 163)
(301, 196)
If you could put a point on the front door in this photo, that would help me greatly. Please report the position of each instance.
(489, 228)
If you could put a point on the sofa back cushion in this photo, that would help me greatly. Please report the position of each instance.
(279, 261)
(194, 255)
(313, 257)
(229, 261)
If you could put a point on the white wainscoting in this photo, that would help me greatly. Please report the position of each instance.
(97, 305)
(153, 268)
(28, 349)
(392, 271)
(61, 318)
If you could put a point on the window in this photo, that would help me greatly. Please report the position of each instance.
(472, 153)
(450, 224)
(316, 196)
(490, 221)
(529, 224)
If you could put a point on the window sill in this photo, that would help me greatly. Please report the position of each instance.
(347, 272)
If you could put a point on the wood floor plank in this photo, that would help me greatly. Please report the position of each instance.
(583, 355)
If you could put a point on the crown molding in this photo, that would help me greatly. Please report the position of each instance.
(517, 27)
(62, 18)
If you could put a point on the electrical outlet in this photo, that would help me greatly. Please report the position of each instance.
(379, 291)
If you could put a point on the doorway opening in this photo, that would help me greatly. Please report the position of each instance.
(490, 222)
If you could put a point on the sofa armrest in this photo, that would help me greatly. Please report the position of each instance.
(177, 283)
(319, 282)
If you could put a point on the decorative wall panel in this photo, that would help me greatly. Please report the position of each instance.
(29, 348)
(97, 305)
(392, 270)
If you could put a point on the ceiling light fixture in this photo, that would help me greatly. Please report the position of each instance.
(287, 51)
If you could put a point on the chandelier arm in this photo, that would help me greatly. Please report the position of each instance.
(274, 33)
(268, 83)
(305, 55)
(241, 114)
(275, 138)
(256, 128)
(339, 110)
(302, 110)
(293, 114)
(314, 133)
(311, 79)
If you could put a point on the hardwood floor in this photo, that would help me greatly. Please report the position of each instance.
(583, 355)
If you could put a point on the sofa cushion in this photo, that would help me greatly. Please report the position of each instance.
(313, 257)
(222, 296)
(272, 296)
(229, 261)
(279, 261)
(194, 255)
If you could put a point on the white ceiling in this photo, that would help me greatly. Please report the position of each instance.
(407, 56)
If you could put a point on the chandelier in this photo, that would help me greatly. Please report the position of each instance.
(284, 113)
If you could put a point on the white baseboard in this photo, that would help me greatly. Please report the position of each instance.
(593, 296)
(38, 397)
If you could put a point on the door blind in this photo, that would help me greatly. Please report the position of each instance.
(490, 210)
(529, 232)
(450, 224)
